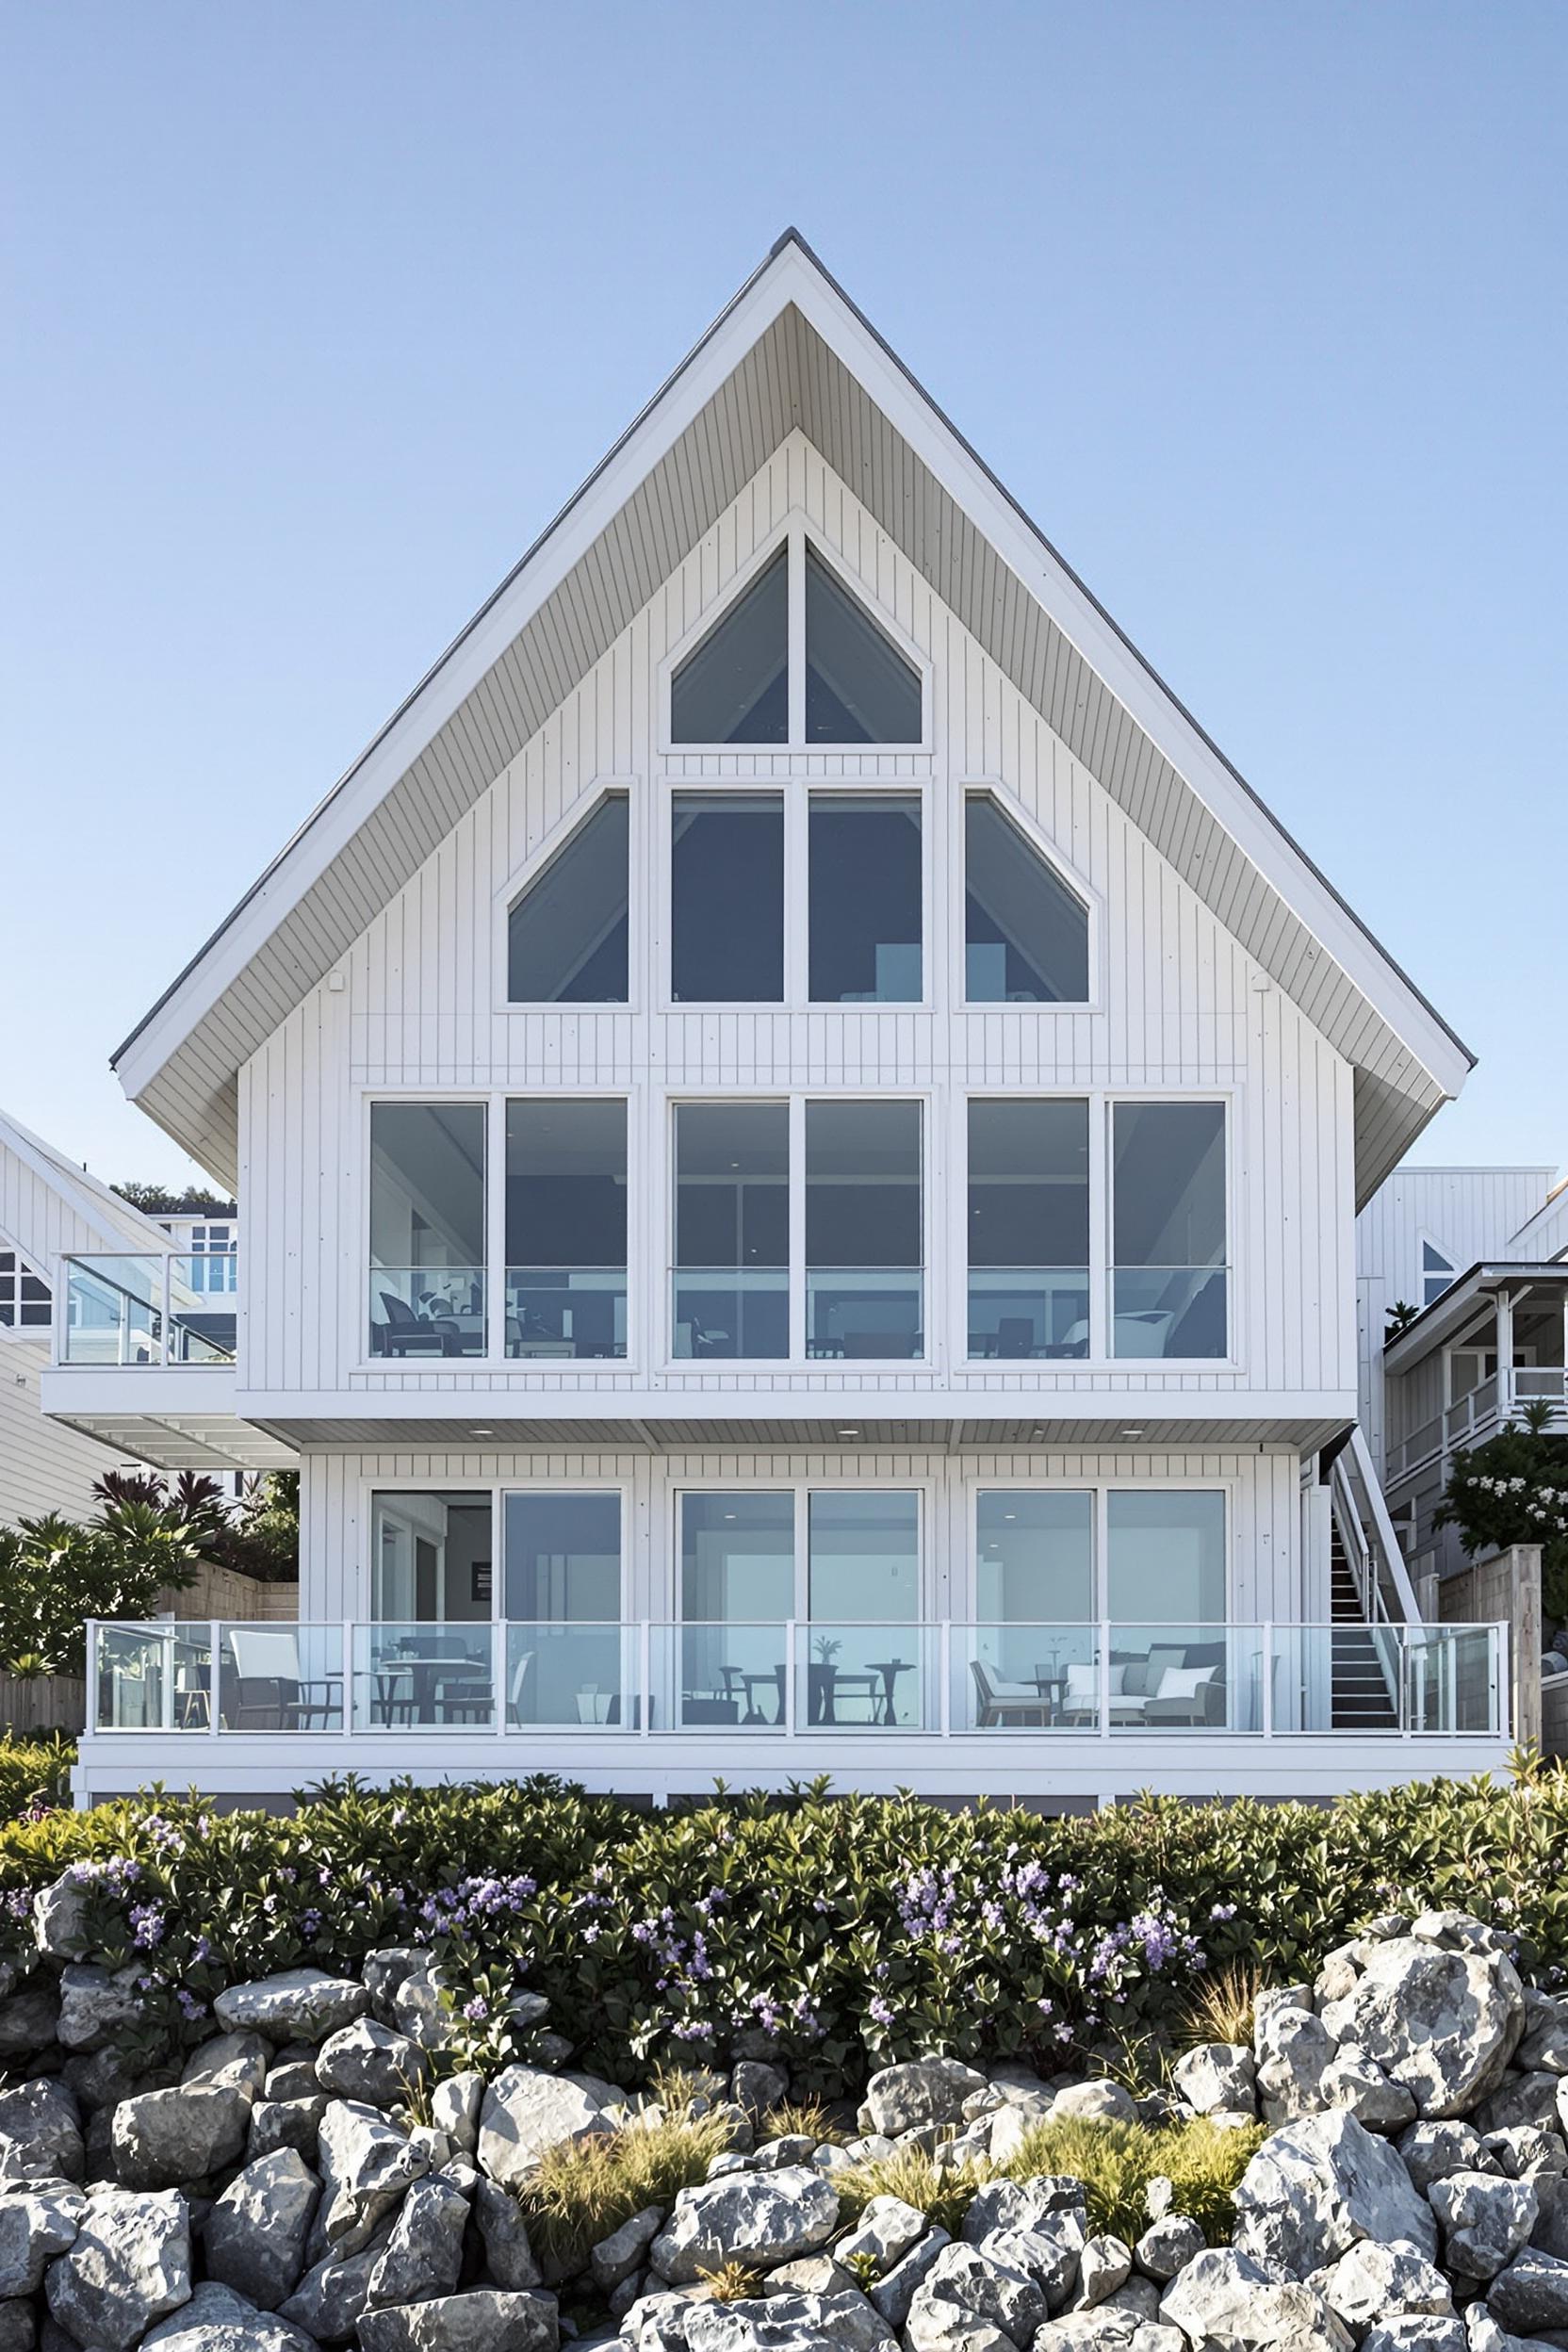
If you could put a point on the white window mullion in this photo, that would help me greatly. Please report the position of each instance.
(495, 1228)
(1100, 1333)
(797, 634)
(797, 1229)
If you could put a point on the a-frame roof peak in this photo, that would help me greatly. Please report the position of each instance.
(791, 351)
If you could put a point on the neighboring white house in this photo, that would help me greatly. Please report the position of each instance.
(1482, 1254)
(798, 1131)
(47, 1207)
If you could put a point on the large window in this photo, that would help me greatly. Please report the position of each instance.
(865, 898)
(1026, 934)
(727, 898)
(731, 1275)
(1028, 1228)
(427, 1228)
(565, 1228)
(567, 1659)
(775, 669)
(1167, 1207)
(864, 1282)
(567, 933)
(1164, 1556)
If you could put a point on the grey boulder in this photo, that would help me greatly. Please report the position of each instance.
(256, 2233)
(1227, 2301)
(1316, 2186)
(1214, 2075)
(165, 2138)
(503, 2234)
(1294, 2050)
(297, 2005)
(36, 2225)
(527, 2112)
(1167, 2245)
(616, 2258)
(370, 2062)
(286, 2123)
(756, 2218)
(96, 2006)
(1443, 2022)
(129, 2264)
(1531, 2294)
(892, 2295)
(970, 2287)
(331, 2297)
(41, 2133)
(1485, 2219)
(217, 2319)
(366, 2166)
(233, 2062)
(920, 2091)
(486, 2320)
(424, 2255)
(1378, 2282)
(887, 2230)
(788, 2323)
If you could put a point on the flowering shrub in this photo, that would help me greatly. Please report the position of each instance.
(1514, 1490)
(841, 1933)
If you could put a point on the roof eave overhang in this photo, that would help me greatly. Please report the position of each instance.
(1436, 1325)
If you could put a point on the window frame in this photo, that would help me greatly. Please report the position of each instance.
(800, 1487)
(1184, 1097)
(495, 1491)
(995, 788)
(1425, 1241)
(26, 1268)
(582, 810)
(796, 1098)
(1100, 1490)
(795, 530)
(797, 790)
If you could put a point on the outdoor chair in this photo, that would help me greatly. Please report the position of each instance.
(1012, 1704)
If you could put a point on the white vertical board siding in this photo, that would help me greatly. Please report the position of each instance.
(44, 1466)
(1267, 1565)
(1179, 1004)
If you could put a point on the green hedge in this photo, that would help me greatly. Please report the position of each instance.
(846, 1931)
(35, 1772)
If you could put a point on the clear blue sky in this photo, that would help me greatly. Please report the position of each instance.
(314, 314)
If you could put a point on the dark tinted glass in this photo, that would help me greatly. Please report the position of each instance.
(567, 936)
(735, 687)
(1026, 936)
(727, 899)
(1029, 1184)
(859, 687)
(865, 899)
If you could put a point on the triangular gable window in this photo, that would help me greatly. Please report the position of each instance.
(735, 687)
(24, 1301)
(809, 667)
(1026, 934)
(859, 687)
(567, 934)
(1437, 1274)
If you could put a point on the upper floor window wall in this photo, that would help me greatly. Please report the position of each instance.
(796, 660)
(427, 1228)
(1168, 1272)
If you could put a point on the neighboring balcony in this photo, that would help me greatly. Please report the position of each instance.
(151, 1307)
(1487, 1408)
(738, 1688)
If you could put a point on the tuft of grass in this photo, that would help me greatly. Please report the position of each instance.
(1116, 2163)
(805, 2119)
(941, 2192)
(579, 2192)
(1221, 2008)
(732, 2282)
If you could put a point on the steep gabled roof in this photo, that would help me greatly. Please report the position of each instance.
(789, 352)
(108, 1223)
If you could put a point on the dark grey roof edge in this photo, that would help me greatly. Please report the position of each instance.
(1484, 1271)
(792, 236)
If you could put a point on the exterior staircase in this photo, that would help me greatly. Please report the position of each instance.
(1360, 1693)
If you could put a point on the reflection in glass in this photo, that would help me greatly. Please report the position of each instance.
(1165, 1554)
(1026, 936)
(727, 898)
(1169, 1282)
(565, 1228)
(431, 1556)
(567, 936)
(859, 689)
(865, 918)
(863, 1230)
(732, 1229)
(1028, 1228)
(734, 688)
(737, 1587)
(566, 1654)
(421, 1677)
(427, 1228)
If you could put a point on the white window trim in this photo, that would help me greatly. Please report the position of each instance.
(795, 1098)
(800, 1487)
(572, 820)
(993, 787)
(495, 1490)
(26, 1264)
(795, 531)
(1425, 1241)
(796, 793)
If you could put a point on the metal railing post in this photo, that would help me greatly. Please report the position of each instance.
(499, 1695)
(347, 1678)
(94, 1706)
(215, 1637)
(789, 1672)
(1103, 1678)
(944, 1696)
(1266, 1697)
(644, 1676)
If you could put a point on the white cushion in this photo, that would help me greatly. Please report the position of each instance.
(1083, 1681)
(1183, 1682)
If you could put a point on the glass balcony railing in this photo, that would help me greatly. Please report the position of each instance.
(565, 1311)
(1017, 1313)
(142, 1308)
(418, 1312)
(871, 1311)
(791, 1679)
(735, 1311)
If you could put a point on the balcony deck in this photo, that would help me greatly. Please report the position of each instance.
(1046, 1714)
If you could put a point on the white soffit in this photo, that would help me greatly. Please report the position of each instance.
(791, 351)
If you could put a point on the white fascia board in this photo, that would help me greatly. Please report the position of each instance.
(1254, 830)
(1117, 1408)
